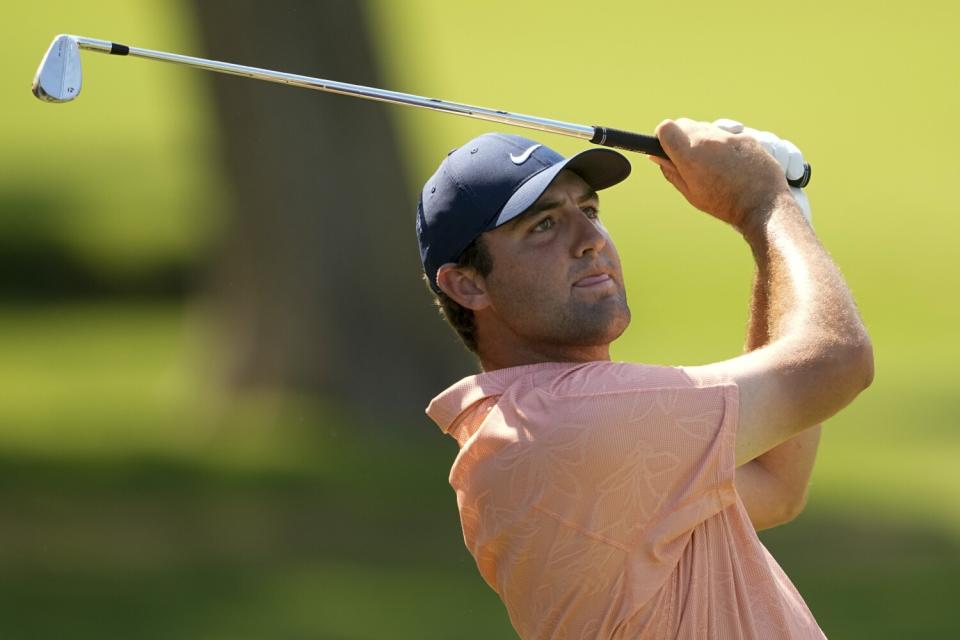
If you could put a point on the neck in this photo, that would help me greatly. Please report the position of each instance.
(503, 356)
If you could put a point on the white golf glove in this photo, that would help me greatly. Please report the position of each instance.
(784, 151)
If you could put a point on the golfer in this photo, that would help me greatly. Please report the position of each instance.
(615, 499)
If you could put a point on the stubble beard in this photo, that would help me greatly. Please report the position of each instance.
(595, 324)
(573, 323)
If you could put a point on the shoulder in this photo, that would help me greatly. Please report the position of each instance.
(621, 395)
(597, 378)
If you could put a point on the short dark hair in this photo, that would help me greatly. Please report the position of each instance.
(476, 257)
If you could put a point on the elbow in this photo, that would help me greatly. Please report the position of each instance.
(852, 372)
(795, 506)
(867, 357)
(851, 366)
(786, 510)
(862, 363)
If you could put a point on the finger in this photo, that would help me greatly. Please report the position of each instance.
(728, 125)
(795, 167)
(662, 162)
(662, 126)
(670, 173)
(672, 137)
(674, 178)
(665, 165)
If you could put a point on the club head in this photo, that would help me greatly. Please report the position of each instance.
(59, 75)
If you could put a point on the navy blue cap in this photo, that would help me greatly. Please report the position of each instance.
(491, 180)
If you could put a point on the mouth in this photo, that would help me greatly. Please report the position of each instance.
(594, 280)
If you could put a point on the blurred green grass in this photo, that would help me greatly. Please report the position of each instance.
(135, 501)
(168, 514)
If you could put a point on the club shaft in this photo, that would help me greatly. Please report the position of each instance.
(332, 86)
(606, 136)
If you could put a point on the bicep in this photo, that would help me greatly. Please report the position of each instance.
(780, 396)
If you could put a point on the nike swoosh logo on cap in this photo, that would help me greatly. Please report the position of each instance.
(520, 159)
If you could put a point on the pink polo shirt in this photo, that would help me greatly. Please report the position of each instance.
(598, 500)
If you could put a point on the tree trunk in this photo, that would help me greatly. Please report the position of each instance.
(317, 287)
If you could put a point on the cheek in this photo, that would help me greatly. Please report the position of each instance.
(612, 254)
(524, 286)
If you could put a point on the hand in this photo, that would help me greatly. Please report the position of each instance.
(729, 176)
(784, 151)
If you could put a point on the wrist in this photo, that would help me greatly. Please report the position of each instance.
(754, 222)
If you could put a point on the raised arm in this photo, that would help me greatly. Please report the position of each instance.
(818, 357)
(773, 486)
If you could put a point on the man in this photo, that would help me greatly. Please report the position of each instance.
(619, 500)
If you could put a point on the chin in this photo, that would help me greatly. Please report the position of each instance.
(615, 331)
(614, 323)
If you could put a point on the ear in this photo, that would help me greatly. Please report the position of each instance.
(463, 285)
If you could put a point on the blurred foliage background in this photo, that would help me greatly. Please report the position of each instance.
(142, 494)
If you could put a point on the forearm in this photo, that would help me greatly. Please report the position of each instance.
(773, 486)
(811, 326)
(799, 292)
(789, 464)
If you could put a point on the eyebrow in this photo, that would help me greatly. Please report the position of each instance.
(552, 203)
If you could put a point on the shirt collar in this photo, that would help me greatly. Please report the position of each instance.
(447, 407)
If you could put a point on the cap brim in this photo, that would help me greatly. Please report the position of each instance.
(599, 168)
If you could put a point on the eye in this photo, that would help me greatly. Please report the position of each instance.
(591, 212)
(544, 224)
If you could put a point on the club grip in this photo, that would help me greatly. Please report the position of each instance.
(650, 145)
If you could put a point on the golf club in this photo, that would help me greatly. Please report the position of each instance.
(59, 79)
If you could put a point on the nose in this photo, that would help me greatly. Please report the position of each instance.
(589, 235)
